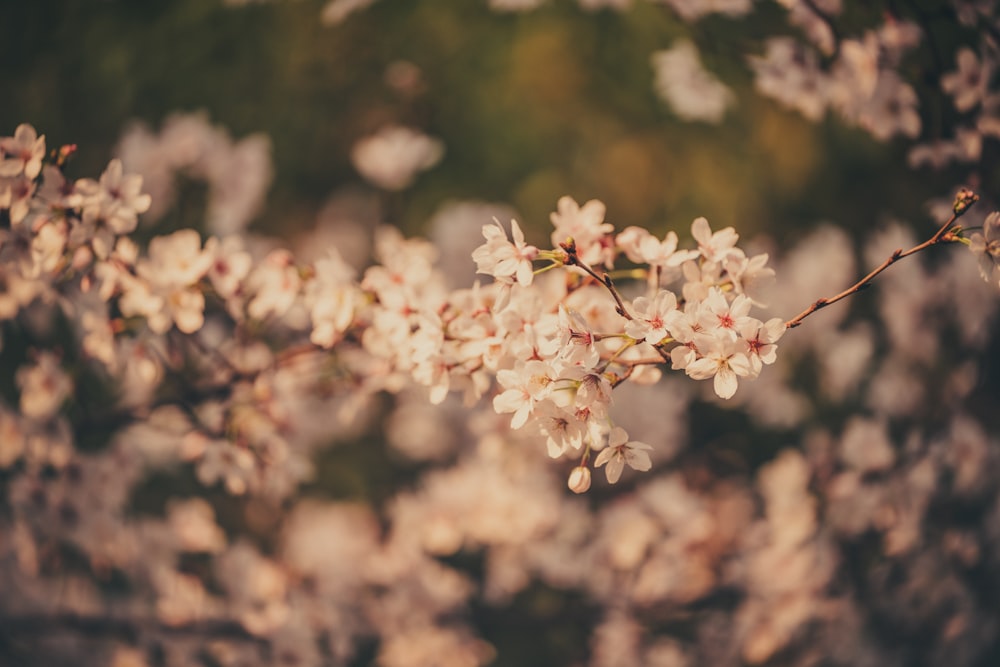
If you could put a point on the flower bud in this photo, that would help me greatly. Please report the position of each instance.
(579, 479)
(963, 200)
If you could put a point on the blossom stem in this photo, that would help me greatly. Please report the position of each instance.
(573, 259)
(946, 234)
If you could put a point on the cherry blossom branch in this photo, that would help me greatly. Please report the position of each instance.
(963, 201)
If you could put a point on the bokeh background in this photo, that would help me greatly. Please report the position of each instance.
(530, 106)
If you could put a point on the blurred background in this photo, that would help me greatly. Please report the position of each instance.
(530, 106)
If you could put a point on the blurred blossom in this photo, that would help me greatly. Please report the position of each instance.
(865, 446)
(421, 434)
(845, 357)
(257, 587)
(594, 5)
(344, 222)
(238, 174)
(44, 386)
(692, 10)
(336, 12)
(514, 5)
(789, 73)
(193, 522)
(405, 78)
(392, 157)
(327, 542)
(895, 389)
(434, 646)
(969, 84)
(687, 88)
(616, 641)
(778, 605)
(820, 262)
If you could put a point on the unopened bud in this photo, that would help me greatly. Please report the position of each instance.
(963, 200)
(579, 479)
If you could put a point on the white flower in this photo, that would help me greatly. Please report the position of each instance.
(594, 391)
(716, 314)
(502, 259)
(750, 276)
(722, 358)
(230, 264)
(585, 225)
(985, 246)
(715, 247)
(110, 206)
(653, 317)
(761, 338)
(22, 153)
(276, 284)
(526, 384)
(576, 338)
(642, 247)
(176, 260)
(621, 451)
(331, 297)
(562, 429)
(170, 275)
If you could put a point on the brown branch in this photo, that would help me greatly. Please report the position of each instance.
(573, 259)
(965, 199)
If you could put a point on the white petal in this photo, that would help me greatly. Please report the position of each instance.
(725, 383)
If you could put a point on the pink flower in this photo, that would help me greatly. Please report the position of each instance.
(653, 317)
(526, 384)
(502, 259)
(621, 451)
(714, 247)
(761, 339)
(22, 153)
(723, 359)
(585, 225)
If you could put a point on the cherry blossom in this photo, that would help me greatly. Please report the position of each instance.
(22, 153)
(392, 157)
(503, 259)
(985, 245)
(721, 358)
(683, 83)
(621, 451)
(654, 318)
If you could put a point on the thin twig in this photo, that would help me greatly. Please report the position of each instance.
(573, 259)
(964, 200)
